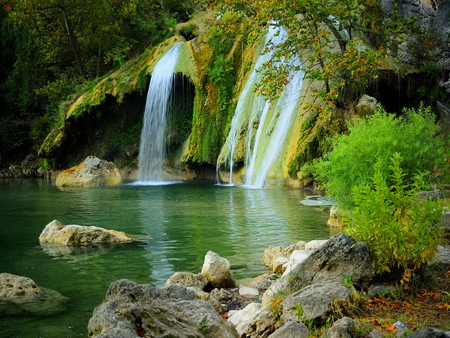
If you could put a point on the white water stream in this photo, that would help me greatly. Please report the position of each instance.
(154, 145)
(261, 148)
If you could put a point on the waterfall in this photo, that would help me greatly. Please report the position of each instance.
(272, 119)
(271, 136)
(154, 145)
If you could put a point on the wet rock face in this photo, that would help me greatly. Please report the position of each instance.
(92, 172)
(132, 310)
(74, 235)
(21, 296)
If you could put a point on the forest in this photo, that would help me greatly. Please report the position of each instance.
(52, 49)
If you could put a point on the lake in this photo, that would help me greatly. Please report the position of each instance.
(176, 226)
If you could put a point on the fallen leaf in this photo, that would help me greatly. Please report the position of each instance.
(390, 327)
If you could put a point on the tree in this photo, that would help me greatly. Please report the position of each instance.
(342, 43)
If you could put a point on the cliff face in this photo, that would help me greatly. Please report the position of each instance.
(217, 118)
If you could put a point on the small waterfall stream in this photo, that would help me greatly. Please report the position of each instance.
(273, 120)
(153, 147)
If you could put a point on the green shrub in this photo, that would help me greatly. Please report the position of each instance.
(375, 139)
(399, 227)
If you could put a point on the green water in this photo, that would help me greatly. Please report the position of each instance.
(177, 225)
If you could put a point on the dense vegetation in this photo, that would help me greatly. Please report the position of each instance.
(49, 50)
(375, 173)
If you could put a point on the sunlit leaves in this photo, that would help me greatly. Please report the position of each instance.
(327, 36)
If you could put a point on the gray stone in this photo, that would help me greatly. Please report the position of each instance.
(92, 172)
(21, 296)
(291, 329)
(314, 300)
(188, 279)
(340, 329)
(366, 105)
(262, 325)
(340, 256)
(379, 290)
(429, 333)
(218, 271)
(55, 232)
(171, 311)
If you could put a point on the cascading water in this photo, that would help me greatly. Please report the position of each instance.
(153, 147)
(262, 148)
(271, 136)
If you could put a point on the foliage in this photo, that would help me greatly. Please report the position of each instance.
(342, 43)
(375, 139)
(399, 227)
(50, 48)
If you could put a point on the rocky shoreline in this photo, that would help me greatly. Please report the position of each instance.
(305, 283)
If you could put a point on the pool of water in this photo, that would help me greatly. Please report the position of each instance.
(176, 226)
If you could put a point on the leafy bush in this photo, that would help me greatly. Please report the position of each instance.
(399, 227)
(375, 139)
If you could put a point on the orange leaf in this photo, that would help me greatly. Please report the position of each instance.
(390, 327)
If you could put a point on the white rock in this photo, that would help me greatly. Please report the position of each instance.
(297, 257)
(244, 315)
(315, 244)
(247, 291)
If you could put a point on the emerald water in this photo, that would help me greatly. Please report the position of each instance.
(176, 224)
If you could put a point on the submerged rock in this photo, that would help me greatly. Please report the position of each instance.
(92, 172)
(20, 296)
(132, 310)
(55, 232)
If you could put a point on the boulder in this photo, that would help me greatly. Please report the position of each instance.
(430, 333)
(241, 318)
(341, 329)
(92, 172)
(55, 232)
(297, 257)
(20, 296)
(275, 257)
(292, 329)
(133, 310)
(366, 105)
(188, 279)
(315, 301)
(335, 219)
(262, 324)
(340, 256)
(218, 271)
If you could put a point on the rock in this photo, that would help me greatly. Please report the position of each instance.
(380, 290)
(340, 329)
(366, 105)
(291, 329)
(20, 296)
(92, 172)
(217, 270)
(271, 258)
(188, 279)
(401, 327)
(335, 220)
(247, 291)
(275, 257)
(55, 232)
(240, 318)
(297, 257)
(264, 323)
(132, 310)
(375, 334)
(429, 333)
(314, 300)
(442, 258)
(316, 244)
(340, 256)
(431, 195)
